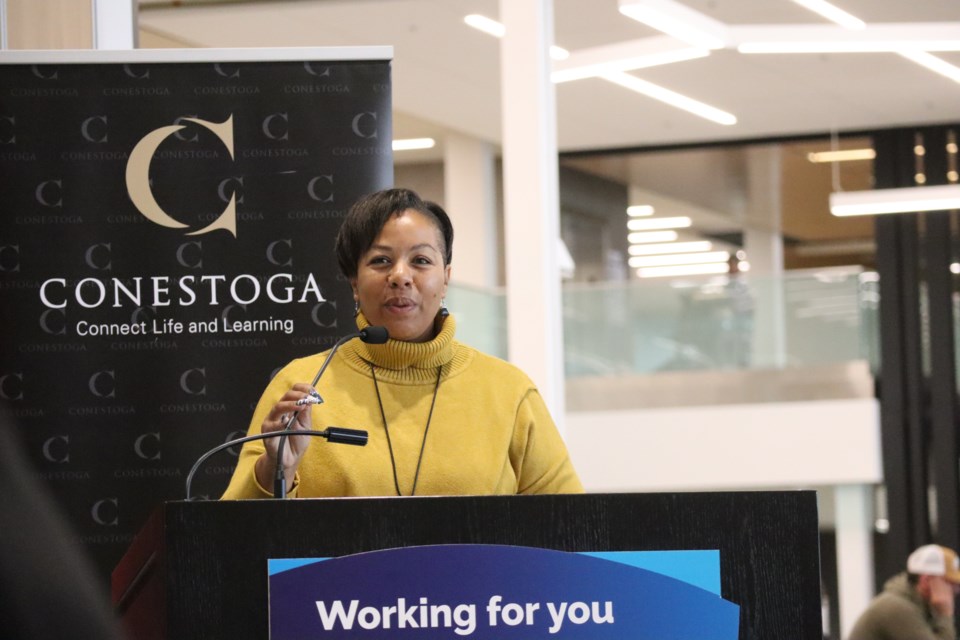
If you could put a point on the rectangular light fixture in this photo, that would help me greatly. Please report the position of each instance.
(648, 224)
(905, 200)
(684, 270)
(669, 247)
(409, 144)
(842, 155)
(641, 237)
(679, 258)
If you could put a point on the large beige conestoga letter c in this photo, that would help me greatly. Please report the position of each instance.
(138, 177)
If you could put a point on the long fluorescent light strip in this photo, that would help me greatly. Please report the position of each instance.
(669, 247)
(905, 200)
(409, 144)
(842, 155)
(933, 63)
(628, 64)
(833, 14)
(681, 258)
(847, 46)
(672, 98)
(671, 25)
(641, 237)
(684, 270)
(485, 24)
(497, 30)
(649, 224)
(638, 210)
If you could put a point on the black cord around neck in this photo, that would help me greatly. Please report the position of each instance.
(426, 429)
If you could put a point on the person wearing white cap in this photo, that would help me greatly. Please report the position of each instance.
(916, 604)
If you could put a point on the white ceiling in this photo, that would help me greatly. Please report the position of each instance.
(446, 78)
(446, 74)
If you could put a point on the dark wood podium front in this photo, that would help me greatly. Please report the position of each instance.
(198, 570)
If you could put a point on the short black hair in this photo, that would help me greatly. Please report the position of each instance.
(367, 216)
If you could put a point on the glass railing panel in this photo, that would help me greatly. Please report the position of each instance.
(711, 323)
(740, 322)
(481, 317)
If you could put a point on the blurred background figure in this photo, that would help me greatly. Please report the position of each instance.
(47, 584)
(917, 604)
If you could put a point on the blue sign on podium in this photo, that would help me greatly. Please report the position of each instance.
(503, 592)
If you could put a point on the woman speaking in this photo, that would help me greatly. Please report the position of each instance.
(444, 419)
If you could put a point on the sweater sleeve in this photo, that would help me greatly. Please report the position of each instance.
(243, 484)
(538, 454)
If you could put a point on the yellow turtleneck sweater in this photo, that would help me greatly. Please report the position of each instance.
(490, 432)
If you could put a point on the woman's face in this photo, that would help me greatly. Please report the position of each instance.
(401, 279)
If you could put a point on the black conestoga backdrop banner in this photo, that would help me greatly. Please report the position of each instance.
(166, 244)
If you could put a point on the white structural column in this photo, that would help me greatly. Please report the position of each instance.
(763, 243)
(531, 198)
(470, 199)
(3, 24)
(114, 24)
(854, 522)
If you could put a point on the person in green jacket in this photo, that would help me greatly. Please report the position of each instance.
(917, 604)
(443, 418)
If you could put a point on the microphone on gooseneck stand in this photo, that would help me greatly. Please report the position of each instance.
(370, 335)
(332, 434)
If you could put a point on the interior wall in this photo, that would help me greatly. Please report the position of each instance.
(49, 24)
(425, 178)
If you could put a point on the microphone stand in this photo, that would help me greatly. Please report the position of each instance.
(370, 335)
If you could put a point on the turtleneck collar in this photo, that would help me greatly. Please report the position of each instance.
(403, 360)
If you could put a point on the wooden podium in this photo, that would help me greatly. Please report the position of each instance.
(198, 570)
